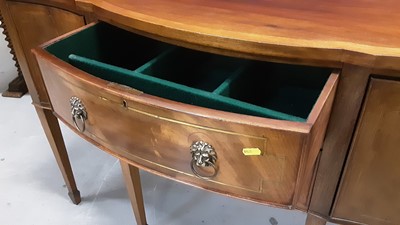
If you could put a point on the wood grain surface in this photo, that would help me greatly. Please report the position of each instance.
(369, 191)
(312, 147)
(155, 134)
(326, 32)
(134, 188)
(29, 24)
(54, 136)
(346, 107)
(17, 88)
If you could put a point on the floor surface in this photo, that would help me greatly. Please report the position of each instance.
(32, 190)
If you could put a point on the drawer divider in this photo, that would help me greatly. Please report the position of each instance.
(154, 60)
(174, 91)
(226, 84)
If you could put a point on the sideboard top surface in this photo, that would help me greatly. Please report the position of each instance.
(363, 32)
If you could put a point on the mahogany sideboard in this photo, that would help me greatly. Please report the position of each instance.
(288, 103)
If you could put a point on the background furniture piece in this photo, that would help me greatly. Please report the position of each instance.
(30, 23)
(17, 88)
(329, 35)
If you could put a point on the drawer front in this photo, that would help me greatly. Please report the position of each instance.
(161, 144)
(156, 134)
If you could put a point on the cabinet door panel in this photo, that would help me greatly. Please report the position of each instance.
(370, 189)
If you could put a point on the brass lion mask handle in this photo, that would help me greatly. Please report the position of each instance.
(203, 155)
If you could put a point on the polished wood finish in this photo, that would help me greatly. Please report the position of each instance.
(35, 20)
(20, 53)
(134, 188)
(54, 136)
(369, 191)
(16, 88)
(327, 33)
(165, 130)
(68, 5)
(351, 88)
(360, 37)
(313, 146)
(29, 24)
(44, 26)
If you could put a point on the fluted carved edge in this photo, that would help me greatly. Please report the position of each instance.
(9, 44)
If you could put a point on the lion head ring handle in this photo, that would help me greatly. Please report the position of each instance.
(203, 155)
(78, 112)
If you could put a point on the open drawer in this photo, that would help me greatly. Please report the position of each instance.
(244, 128)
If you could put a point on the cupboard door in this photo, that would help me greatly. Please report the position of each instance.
(370, 188)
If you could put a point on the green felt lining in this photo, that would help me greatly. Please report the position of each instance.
(109, 44)
(271, 90)
(285, 88)
(170, 90)
(194, 69)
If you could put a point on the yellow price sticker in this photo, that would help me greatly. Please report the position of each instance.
(251, 151)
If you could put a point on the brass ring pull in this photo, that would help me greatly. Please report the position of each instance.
(79, 117)
(203, 155)
(78, 112)
(193, 166)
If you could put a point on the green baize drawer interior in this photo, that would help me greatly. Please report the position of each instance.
(270, 90)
